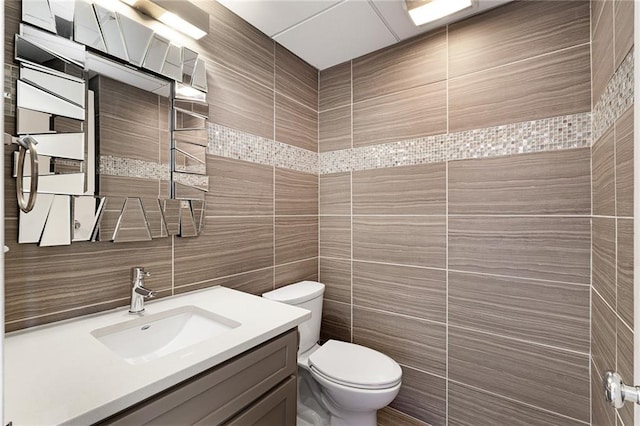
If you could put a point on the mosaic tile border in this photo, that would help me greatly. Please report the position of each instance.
(230, 143)
(9, 91)
(616, 99)
(130, 167)
(549, 134)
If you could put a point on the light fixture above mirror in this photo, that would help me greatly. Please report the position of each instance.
(424, 11)
(180, 15)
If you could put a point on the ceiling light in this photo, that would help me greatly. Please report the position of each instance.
(180, 15)
(423, 11)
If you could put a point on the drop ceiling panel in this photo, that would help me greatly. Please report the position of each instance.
(343, 32)
(272, 17)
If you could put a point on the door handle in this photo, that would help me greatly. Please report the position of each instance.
(616, 393)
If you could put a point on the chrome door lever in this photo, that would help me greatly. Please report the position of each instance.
(616, 393)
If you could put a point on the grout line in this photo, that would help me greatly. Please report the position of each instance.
(224, 277)
(351, 200)
(273, 175)
(446, 236)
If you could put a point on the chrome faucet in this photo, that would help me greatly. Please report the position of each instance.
(138, 291)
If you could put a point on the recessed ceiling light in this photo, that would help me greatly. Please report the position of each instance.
(423, 11)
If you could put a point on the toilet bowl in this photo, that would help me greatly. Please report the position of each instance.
(339, 383)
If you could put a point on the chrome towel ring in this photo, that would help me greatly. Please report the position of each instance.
(27, 144)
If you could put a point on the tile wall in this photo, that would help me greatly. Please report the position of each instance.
(455, 215)
(612, 189)
(262, 217)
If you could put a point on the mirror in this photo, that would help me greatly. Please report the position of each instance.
(91, 114)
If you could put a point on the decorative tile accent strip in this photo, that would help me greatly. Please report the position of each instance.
(616, 99)
(549, 134)
(129, 167)
(9, 92)
(196, 181)
(230, 143)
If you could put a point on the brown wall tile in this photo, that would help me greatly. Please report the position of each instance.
(334, 129)
(514, 32)
(336, 276)
(40, 280)
(603, 52)
(501, 366)
(295, 78)
(306, 270)
(296, 193)
(541, 183)
(238, 188)
(624, 365)
(623, 26)
(603, 171)
(335, 86)
(547, 248)
(227, 246)
(545, 86)
(254, 282)
(406, 290)
(554, 314)
(238, 45)
(400, 190)
(122, 138)
(406, 240)
(473, 407)
(409, 341)
(417, 112)
(12, 13)
(604, 258)
(335, 237)
(624, 258)
(602, 414)
(603, 334)
(296, 124)
(335, 193)
(239, 103)
(422, 396)
(624, 164)
(415, 62)
(336, 321)
(391, 417)
(296, 238)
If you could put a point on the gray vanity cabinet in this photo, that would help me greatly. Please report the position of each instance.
(257, 387)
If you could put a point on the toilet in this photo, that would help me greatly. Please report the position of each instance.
(339, 383)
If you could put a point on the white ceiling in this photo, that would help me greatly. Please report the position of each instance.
(328, 32)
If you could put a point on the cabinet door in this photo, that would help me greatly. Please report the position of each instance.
(278, 407)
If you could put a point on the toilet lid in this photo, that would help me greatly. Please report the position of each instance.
(355, 365)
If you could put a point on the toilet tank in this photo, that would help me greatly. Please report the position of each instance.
(306, 295)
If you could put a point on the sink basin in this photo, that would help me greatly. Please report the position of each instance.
(154, 336)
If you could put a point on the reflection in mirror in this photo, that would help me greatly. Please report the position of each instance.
(199, 79)
(85, 27)
(84, 217)
(197, 207)
(30, 97)
(32, 53)
(189, 58)
(155, 218)
(44, 165)
(196, 137)
(172, 67)
(72, 184)
(110, 214)
(31, 225)
(63, 11)
(30, 122)
(38, 13)
(57, 229)
(61, 85)
(136, 38)
(156, 53)
(66, 145)
(171, 209)
(187, 224)
(132, 224)
(190, 158)
(65, 49)
(188, 120)
(111, 32)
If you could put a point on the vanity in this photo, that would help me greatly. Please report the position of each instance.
(214, 356)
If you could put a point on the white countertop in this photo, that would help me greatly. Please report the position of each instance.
(61, 374)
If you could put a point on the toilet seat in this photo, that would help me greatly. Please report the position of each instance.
(354, 366)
